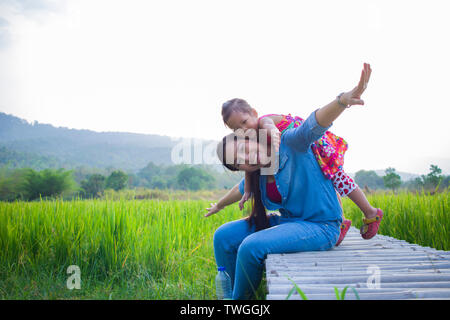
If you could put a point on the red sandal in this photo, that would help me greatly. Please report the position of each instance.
(370, 227)
(344, 228)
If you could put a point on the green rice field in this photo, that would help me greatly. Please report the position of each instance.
(420, 219)
(153, 249)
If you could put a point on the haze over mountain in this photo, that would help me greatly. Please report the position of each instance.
(37, 145)
(405, 176)
(23, 143)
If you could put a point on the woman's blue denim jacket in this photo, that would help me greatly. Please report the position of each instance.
(305, 191)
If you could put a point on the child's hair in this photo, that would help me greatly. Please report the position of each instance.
(234, 105)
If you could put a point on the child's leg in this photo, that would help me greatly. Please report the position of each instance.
(359, 198)
(345, 186)
(345, 226)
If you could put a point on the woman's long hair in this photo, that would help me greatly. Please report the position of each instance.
(258, 216)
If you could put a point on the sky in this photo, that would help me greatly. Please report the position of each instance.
(166, 67)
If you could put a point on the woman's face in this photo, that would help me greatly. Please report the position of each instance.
(248, 154)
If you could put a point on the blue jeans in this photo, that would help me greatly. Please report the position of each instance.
(242, 251)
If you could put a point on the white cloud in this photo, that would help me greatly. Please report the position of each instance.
(166, 67)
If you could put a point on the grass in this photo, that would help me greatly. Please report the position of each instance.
(165, 194)
(153, 249)
(146, 249)
(339, 295)
(423, 219)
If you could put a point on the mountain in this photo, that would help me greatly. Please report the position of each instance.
(40, 146)
(22, 142)
(405, 176)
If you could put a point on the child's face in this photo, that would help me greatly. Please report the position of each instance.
(243, 120)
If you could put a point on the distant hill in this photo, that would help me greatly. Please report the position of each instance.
(405, 176)
(40, 146)
(23, 143)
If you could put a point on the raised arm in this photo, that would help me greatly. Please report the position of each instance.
(301, 138)
(327, 114)
(268, 124)
(318, 122)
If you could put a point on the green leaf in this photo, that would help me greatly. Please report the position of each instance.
(356, 293)
(343, 293)
(299, 291)
(290, 293)
(336, 291)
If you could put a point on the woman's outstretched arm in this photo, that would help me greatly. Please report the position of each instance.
(319, 121)
(327, 114)
(230, 197)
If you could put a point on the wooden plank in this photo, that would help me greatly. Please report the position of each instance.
(345, 259)
(350, 262)
(346, 264)
(360, 272)
(360, 251)
(359, 285)
(371, 260)
(363, 254)
(366, 254)
(282, 290)
(357, 262)
(411, 294)
(278, 269)
(407, 271)
(361, 278)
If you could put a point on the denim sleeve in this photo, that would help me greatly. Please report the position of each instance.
(302, 137)
(241, 186)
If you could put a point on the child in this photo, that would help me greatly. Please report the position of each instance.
(329, 152)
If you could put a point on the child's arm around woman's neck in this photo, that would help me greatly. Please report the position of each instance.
(269, 122)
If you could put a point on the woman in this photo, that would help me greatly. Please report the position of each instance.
(310, 213)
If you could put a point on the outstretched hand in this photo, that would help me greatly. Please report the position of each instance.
(213, 209)
(353, 97)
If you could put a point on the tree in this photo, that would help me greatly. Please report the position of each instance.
(194, 179)
(134, 180)
(369, 179)
(94, 186)
(431, 182)
(149, 172)
(434, 178)
(47, 183)
(158, 183)
(117, 180)
(11, 184)
(416, 184)
(392, 180)
(445, 183)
